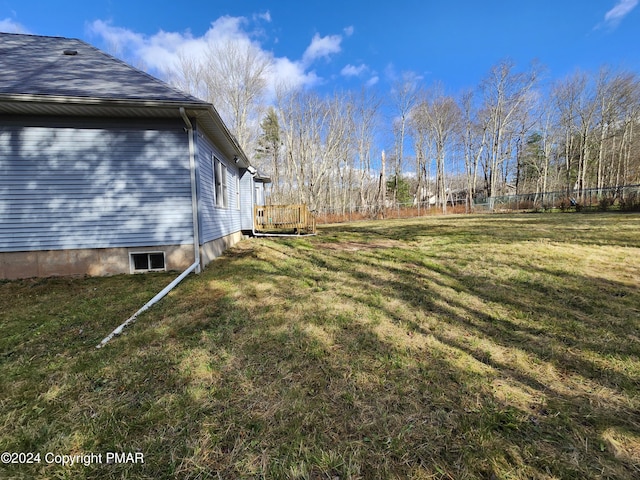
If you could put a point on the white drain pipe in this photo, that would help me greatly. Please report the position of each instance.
(194, 193)
(196, 240)
(154, 300)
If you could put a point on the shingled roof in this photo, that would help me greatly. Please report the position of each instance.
(68, 77)
(66, 67)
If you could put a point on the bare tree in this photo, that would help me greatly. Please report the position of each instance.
(423, 145)
(315, 132)
(441, 115)
(628, 166)
(505, 93)
(537, 152)
(190, 76)
(473, 132)
(549, 141)
(566, 95)
(364, 115)
(236, 79)
(232, 75)
(587, 105)
(319, 150)
(618, 106)
(404, 95)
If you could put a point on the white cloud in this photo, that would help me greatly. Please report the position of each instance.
(266, 16)
(116, 39)
(614, 16)
(227, 28)
(160, 53)
(405, 78)
(353, 71)
(361, 71)
(372, 81)
(348, 31)
(157, 53)
(290, 74)
(11, 26)
(322, 47)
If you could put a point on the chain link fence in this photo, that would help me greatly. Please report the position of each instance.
(624, 198)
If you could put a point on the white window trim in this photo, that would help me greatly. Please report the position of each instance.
(147, 252)
(220, 183)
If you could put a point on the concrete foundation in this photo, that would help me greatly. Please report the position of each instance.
(104, 261)
(214, 249)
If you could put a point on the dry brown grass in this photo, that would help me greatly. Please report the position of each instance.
(449, 347)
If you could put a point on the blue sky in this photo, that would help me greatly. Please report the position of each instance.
(347, 44)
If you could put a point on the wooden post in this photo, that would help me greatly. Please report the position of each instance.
(382, 188)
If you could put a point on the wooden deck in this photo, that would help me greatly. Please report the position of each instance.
(278, 219)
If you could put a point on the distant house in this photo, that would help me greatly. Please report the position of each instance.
(105, 169)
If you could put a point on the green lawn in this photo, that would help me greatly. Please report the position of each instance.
(459, 347)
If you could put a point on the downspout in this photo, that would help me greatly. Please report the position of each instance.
(196, 240)
(194, 193)
(285, 234)
(151, 302)
(253, 205)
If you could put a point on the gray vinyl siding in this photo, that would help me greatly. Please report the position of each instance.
(215, 222)
(71, 184)
(258, 196)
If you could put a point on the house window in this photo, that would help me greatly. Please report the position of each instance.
(220, 180)
(147, 262)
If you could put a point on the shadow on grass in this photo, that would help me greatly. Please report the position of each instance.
(567, 327)
(575, 229)
(290, 359)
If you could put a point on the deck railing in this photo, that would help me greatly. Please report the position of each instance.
(283, 218)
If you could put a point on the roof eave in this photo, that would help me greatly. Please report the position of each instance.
(95, 101)
(215, 121)
(205, 113)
